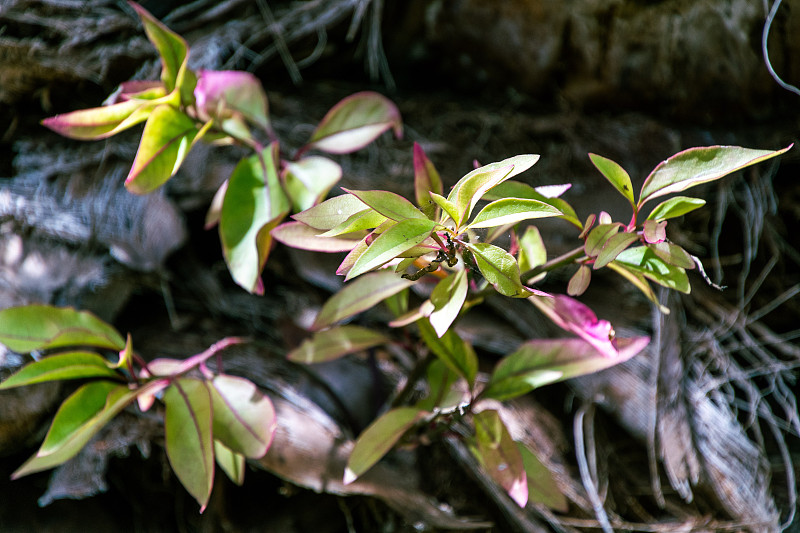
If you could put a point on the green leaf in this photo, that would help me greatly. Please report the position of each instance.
(442, 393)
(230, 462)
(448, 297)
(444, 203)
(638, 281)
(499, 455)
(243, 418)
(616, 175)
(359, 295)
(672, 254)
(389, 204)
(331, 212)
(398, 303)
(394, 241)
(511, 211)
(309, 180)
(700, 165)
(171, 47)
(675, 207)
(78, 419)
(69, 365)
(299, 235)
(532, 252)
(542, 487)
(426, 180)
(167, 138)
(226, 93)
(350, 259)
(516, 189)
(188, 436)
(452, 350)
(544, 361)
(355, 122)
(100, 122)
(598, 237)
(613, 247)
(579, 281)
(40, 327)
(336, 342)
(254, 204)
(363, 220)
(642, 260)
(379, 438)
(472, 187)
(499, 268)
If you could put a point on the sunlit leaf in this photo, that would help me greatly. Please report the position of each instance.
(389, 204)
(359, 295)
(336, 342)
(642, 260)
(254, 204)
(613, 247)
(616, 175)
(331, 212)
(100, 122)
(243, 418)
(452, 350)
(516, 189)
(308, 181)
(220, 92)
(426, 180)
(230, 462)
(188, 436)
(544, 361)
(448, 297)
(363, 220)
(654, 232)
(579, 281)
(355, 122)
(399, 238)
(542, 488)
(499, 455)
(444, 203)
(598, 237)
(471, 188)
(78, 419)
(353, 255)
(675, 207)
(499, 268)
(299, 235)
(69, 365)
(215, 209)
(672, 254)
(167, 138)
(511, 211)
(40, 327)
(700, 165)
(171, 47)
(379, 438)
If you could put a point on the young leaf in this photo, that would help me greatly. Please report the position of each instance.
(254, 204)
(700, 165)
(426, 180)
(448, 297)
(672, 254)
(100, 122)
(499, 455)
(188, 436)
(355, 122)
(598, 237)
(220, 92)
(331, 212)
(304, 237)
(394, 241)
(675, 207)
(444, 203)
(78, 419)
(471, 188)
(452, 350)
(230, 462)
(499, 268)
(308, 181)
(616, 175)
(69, 365)
(167, 138)
(542, 488)
(363, 220)
(352, 256)
(389, 204)
(379, 438)
(579, 281)
(642, 260)
(40, 327)
(359, 295)
(654, 232)
(511, 211)
(544, 361)
(532, 252)
(171, 46)
(333, 343)
(613, 247)
(516, 189)
(243, 418)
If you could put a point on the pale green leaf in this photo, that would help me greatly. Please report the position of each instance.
(426, 180)
(598, 237)
(100, 122)
(331, 212)
(69, 365)
(616, 175)
(675, 207)
(299, 235)
(394, 241)
(308, 181)
(579, 281)
(511, 211)
(613, 247)
(642, 260)
(516, 189)
(171, 47)
(243, 418)
(389, 204)
(363, 220)
(336, 342)
(672, 254)
(542, 487)
(498, 454)
(532, 251)
(452, 350)
(499, 268)
(448, 297)
(230, 462)
(444, 203)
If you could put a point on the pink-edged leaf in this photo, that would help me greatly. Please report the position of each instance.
(379, 438)
(353, 255)
(613, 247)
(368, 219)
(299, 235)
(655, 232)
(359, 295)
(700, 165)
(675, 207)
(571, 315)
(188, 436)
(399, 238)
(542, 487)
(309, 180)
(448, 297)
(499, 268)
(334, 343)
(219, 93)
(331, 212)
(616, 175)
(598, 237)
(544, 361)
(499, 455)
(231, 462)
(579, 281)
(41, 327)
(171, 47)
(426, 180)
(243, 417)
(99, 122)
(389, 204)
(452, 350)
(672, 254)
(355, 122)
